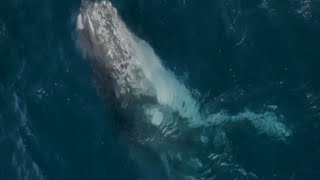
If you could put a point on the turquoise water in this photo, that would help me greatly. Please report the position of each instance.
(53, 125)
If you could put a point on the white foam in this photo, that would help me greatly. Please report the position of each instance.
(79, 22)
(156, 116)
(266, 123)
(169, 91)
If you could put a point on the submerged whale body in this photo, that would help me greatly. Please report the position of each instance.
(160, 116)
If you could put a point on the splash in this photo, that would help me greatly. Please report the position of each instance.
(164, 113)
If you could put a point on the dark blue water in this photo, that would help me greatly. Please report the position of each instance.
(53, 125)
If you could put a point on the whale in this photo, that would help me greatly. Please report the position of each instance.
(170, 135)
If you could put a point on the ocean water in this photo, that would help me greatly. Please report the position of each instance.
(238, 56)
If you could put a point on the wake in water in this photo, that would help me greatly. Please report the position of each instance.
(166, 128)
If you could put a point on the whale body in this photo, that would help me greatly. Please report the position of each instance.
(130, 77)
(156, 111)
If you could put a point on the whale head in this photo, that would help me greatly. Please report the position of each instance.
(108, 44)
(102, 35)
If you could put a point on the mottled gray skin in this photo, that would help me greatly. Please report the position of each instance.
(99, 41)
(109, 53)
